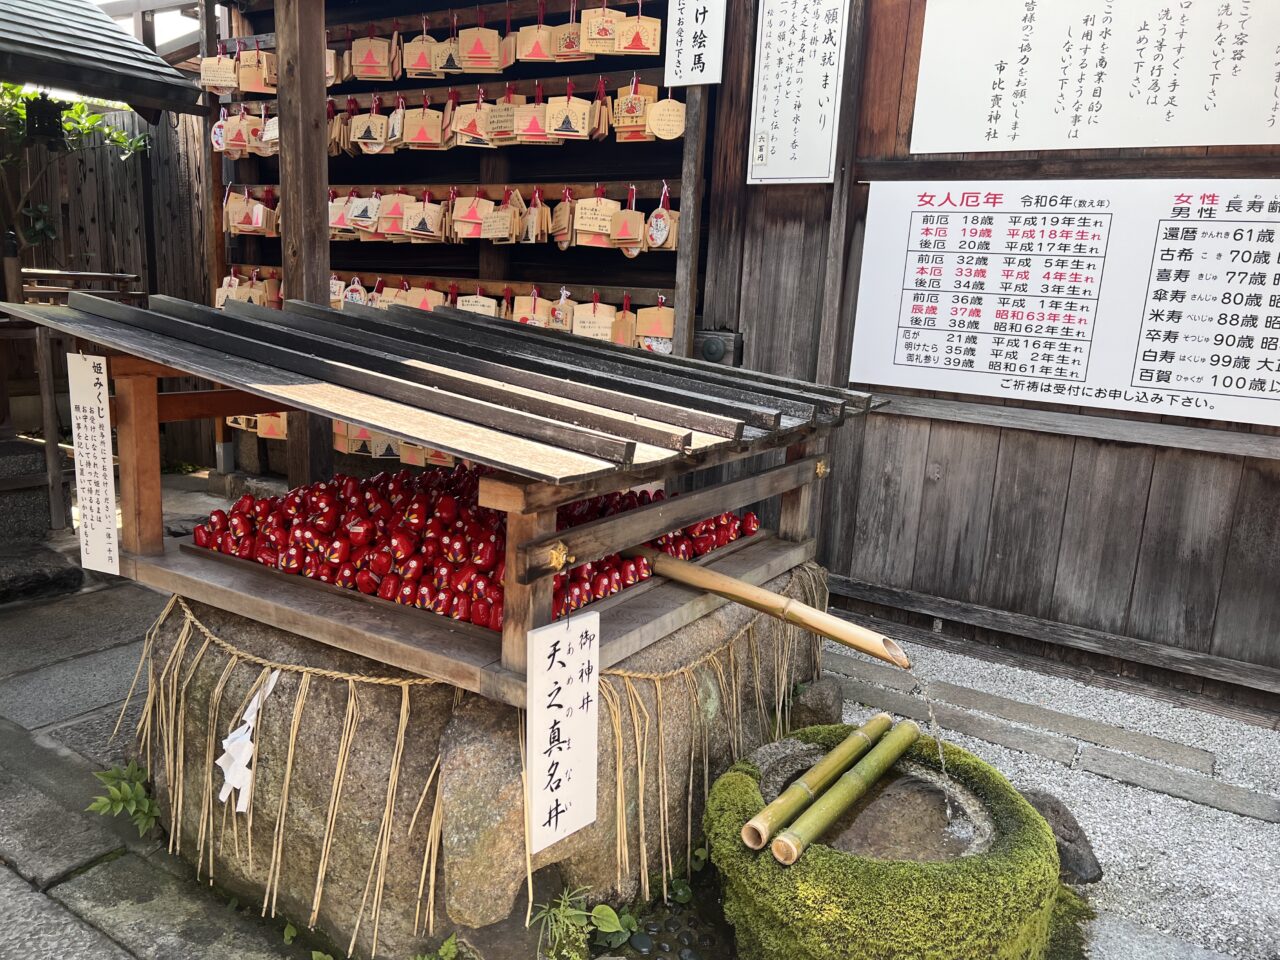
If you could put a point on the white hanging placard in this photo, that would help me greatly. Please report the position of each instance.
(1042, 75)
(795, 106)
(1157, 296)
(95, 479)
(561, 725)
(695, 42)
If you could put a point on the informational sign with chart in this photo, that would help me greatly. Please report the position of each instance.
(1076, 74)
(1159, 296)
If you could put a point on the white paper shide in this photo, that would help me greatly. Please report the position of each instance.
(238, 749)
(795, 106)
(95, 476)
(1156, 296)
(1055, 75)
(695, 42)
(561, 727)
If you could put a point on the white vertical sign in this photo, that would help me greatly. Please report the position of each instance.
(795, 106)
(1054, 75)
(695, 42)
(561, 725)
(95, 481)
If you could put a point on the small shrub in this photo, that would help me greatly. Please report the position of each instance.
(127, 793)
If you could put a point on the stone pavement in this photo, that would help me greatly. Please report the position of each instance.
(74, 884)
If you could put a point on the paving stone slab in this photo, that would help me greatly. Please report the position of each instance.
(37, 928)
(91, 736)
(28, 569)
(953, 718)
(1115, 938)
(156, 915)
(69, 689)
(1180, 783)
(36, 635)
(44, 842)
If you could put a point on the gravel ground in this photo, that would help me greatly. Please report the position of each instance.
(1245, 754)
(1201, 875)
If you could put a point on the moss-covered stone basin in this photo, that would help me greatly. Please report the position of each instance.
(997, 904)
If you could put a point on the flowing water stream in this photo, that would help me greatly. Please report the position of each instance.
(922, 690)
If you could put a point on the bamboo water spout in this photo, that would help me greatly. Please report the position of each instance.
(844, 793)
(784, 608)
(793, 800)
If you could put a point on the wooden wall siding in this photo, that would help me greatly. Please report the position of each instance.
(98, 199)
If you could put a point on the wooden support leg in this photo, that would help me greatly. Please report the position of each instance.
(138, 440)
(524, 606)
(49, 426)
(224, 447)
(796, 519)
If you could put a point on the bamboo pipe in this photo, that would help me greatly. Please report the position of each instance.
(766, 601)
(793, 800)
(844, 793)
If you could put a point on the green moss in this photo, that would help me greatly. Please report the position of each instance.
(997, 905)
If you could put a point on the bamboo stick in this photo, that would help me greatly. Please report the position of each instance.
(784, 608)
(844, 793)
(793, 800)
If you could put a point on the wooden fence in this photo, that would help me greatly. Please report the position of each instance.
(97, 200)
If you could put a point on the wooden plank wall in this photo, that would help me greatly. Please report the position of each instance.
(98, 202)
(1156, 543)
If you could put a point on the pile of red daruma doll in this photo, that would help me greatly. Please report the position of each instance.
(422, 540)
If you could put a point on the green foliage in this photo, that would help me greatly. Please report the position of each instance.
(698, 860)
(446, 951)
(290, 933)
(564, 926)
(681, 892)
(320, 955)
(612, 929)
(127, 793)
(998, 905)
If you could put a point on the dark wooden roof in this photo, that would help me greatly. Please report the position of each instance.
(542, 405)
(72, 45)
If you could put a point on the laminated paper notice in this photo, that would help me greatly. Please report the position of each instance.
(795, 107)
(561, 724)
(1156, 296)
(95, 479)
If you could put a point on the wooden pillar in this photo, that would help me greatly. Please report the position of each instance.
(138, 447)
(214, 241)
(525, 606)
(688, 244)
(144, 28)
(49, 427)
(304, 185)
(796, 519)
(224, 447)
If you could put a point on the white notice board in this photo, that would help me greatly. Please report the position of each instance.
(561, 732)
(795, 104)
(95, 479)
(695, 42)
(1159, 296)
(1074, 74)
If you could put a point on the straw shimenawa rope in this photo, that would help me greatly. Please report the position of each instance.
(719, 674)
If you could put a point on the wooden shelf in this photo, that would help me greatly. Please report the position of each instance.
(427, 644)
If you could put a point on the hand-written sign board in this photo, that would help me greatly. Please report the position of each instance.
(1041, 75)
(695, 42)
(561, 727)
(95, 479)
(1159, 296)
(795, 106)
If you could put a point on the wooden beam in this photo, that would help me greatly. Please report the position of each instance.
(304, 182)
(49, 425)
(558, 550)
(1206, 439)
(525, 605)
(218, 404)
(121, 367)
(138, 448)
(688, 231)
(1168, 657)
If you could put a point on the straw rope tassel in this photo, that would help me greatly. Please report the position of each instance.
(382, 846)
(426, 847)
(695, 725)
(277, 845)
(178, 794)
(524, 805)
(433, 843)
(754, 649)
(230, 807)
(664, 833)
(148, 644)
(206, 798)
(636, 706)
(621, 853)
(349, 723)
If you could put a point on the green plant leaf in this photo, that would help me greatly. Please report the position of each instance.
(317, 955)
(605, 918)
(449, 949)
(681, 892)
(290, 932)
(116, 807)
